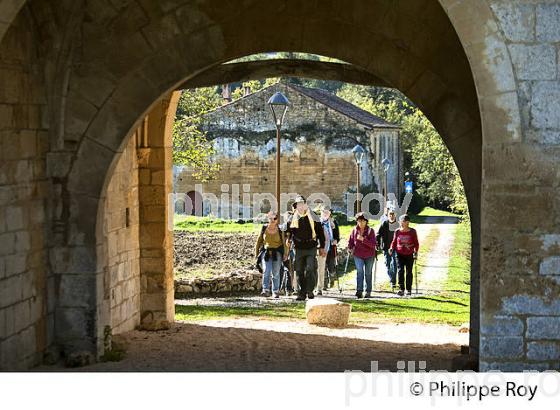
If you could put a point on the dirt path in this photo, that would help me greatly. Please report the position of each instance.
(432, 267)
(266, 345)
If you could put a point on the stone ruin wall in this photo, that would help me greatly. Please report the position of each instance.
(316, 149)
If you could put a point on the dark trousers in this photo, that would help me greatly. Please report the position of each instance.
(330, 270)
(405, 262)
(306, 270)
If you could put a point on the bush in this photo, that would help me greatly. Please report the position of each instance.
(417, 204)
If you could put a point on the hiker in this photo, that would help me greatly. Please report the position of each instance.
(362, 245)
(384, 238)
(405, 245)
(332, 237)
(388, 208)
(306, 234)
(271, 245)
(322, 258)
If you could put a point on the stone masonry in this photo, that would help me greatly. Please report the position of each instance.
(318, 135)
(78, 79)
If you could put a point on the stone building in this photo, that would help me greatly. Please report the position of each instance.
(83, 82)
(318, 135)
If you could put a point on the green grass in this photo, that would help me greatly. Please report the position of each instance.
(432, 309)
(210, 224)
(427, 211)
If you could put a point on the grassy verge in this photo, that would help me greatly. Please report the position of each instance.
(209, 224)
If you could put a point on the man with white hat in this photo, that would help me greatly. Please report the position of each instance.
(306, 234)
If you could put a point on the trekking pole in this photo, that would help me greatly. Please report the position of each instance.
(340, 288)
(416, 271)
(374, 270)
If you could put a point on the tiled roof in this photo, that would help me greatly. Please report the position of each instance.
(343, 106)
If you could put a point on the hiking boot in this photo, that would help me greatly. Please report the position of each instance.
(400, 292)
(310, 295)
(275, 295)
(300, 297)
(368, 295)
(359, 295)
(408, 293)
(265, 294)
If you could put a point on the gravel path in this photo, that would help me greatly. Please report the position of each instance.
(263, 345)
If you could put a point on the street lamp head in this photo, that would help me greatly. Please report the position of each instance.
(278, 105)
(358, 152)
(386, 164)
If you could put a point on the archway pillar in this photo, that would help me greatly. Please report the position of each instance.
(154, 149)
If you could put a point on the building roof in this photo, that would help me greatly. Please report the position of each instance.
(343, 107)
(330, 100)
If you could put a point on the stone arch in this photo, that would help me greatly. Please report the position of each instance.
(433, 91)
(448, 56)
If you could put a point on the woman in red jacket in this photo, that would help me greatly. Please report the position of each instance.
(405, 243)
(362, 245)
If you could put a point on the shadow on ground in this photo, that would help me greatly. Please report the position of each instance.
(203, 348)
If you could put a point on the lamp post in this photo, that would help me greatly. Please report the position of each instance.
(358, 152)
(386, 165)
(278, 104)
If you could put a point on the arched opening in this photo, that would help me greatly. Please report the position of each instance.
(445, 93)
(449, 57)
(167, 144)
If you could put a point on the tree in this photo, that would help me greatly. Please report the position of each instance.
(424, 151)
(190, 146)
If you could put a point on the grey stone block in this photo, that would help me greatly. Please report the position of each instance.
(543, 351)
(7, 243)
(72, 324)
(516, 20)
(550, 266)
(543, 327)
(501, 347)
(14, 218)
(548, 22)
(77, 290)
(534, 62)
(502, 326)
(545, 106)
(10, 291)
(530, 305)
(486, 366)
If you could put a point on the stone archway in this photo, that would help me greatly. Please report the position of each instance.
(467, 66)
(453, 112)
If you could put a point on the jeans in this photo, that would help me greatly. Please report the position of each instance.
(306, 270)
(321, 266)
(363, 269)
(405, 261)
(391, 263)
(272, 266)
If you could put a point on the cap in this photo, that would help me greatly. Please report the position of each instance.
(299, 199)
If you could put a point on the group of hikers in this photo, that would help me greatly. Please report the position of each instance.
(311, 247)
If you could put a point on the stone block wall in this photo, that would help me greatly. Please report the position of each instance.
(24, 316)
(330, 173)
(316, 147)
(520, 285)
(121, 229)
(238, 281)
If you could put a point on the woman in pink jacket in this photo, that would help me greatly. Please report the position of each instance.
(405, 244)
(362, 245)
